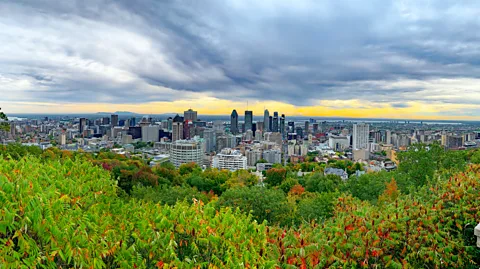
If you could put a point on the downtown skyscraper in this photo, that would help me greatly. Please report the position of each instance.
(114, 120)
(248, 120)
(266, 122)
(275, 122)
(234, 122)
(282, 126)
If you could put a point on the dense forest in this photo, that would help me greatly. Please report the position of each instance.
(62, 209)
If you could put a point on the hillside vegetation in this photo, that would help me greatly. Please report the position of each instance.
(61, 210)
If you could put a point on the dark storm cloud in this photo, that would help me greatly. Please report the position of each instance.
(298, 52)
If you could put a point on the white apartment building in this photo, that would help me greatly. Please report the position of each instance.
(186, 151)
(229, 159)
(361, 133)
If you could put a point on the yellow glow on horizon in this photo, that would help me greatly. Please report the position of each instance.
(214, 106)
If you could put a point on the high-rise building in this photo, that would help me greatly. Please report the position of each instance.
(209, 138)
(248, 120)
(150, 133)
(82, 125)
(299, 131)
(258, 135)
(291, 127)
(315, 128)
(454, 141)
(229, 159)
(114, 120)
(225, 141)
(105, 120)
(360, 135)
(266, 125)
(190, 115)
(133, 121)
(307, 128)
(272, 156)
(282, 126)
(177, 128)
(234, 122)
(186, 151)
(270, 123)
(13, 129)
(275, 122)
(170, 123)
(388, 138)
(253, 156)
(62, 139)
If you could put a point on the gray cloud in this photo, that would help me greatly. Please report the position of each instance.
(298, 52)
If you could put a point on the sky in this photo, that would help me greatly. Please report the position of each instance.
(408, 59)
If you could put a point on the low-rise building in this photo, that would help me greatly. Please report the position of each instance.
(229, 159)
(336, 171)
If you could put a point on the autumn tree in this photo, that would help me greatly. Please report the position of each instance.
(276, 176)
(390, 194)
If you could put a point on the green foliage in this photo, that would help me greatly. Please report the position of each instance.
(317, 206)
(367, 187)
(317, 182)
(67, 215)
(166, 195)
(276, 176)
(287, 185)
(189, 168)
(263, 203)
(347, 165)
(4, 125)
(63, 210)
(17, 151)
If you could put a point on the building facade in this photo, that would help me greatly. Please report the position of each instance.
(230, 160)
(186, 151)
(361, 132)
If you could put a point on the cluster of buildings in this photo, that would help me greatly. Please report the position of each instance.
(245, 142)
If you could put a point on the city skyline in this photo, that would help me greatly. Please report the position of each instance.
(384, 59)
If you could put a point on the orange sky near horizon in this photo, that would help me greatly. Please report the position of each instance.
(214, 106)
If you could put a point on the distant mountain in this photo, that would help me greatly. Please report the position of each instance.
(120, 113)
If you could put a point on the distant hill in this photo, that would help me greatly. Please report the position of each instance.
(120, 113)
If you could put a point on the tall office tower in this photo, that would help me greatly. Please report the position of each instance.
(270, 123)
(170, 123)
(248, 120)
(388, 139)
(177, 128)
(234, 122)
(360, 135)
(282, 126)
(291, 127)
(105, 120)
(266, 116)
(275, 122)
(209, 138)
(299, 132)
(307, 128)
(133, 121)
(315, 128)
(114, 120)
(190, 115)
(82, 125)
